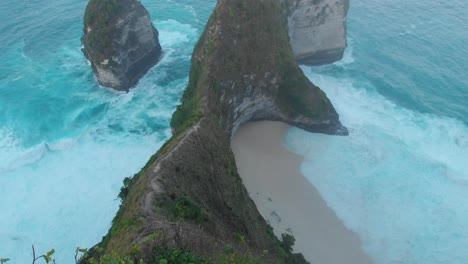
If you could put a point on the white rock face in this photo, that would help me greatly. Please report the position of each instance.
(317, 30)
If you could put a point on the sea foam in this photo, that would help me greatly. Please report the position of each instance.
(399, 179)
(59, 182)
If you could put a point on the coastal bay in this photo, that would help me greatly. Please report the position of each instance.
(287, 200)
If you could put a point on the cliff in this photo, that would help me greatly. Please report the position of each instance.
(120, 42)
(189, 197)
(317, 29)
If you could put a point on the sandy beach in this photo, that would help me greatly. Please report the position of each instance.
(287, 200)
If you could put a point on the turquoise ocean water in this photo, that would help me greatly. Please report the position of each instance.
(65, 143)
(400, 180)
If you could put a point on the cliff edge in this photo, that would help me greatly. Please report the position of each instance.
(317, 29)
(120, 42)
(189, 198)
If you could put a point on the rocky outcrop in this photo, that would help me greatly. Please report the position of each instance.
(120, 42)
(189, 195)
(317, 30)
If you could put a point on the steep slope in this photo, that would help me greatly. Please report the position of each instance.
(120, 42)
(190, 196)
(317, 29)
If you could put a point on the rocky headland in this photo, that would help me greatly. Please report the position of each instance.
(120, 42)
(317, 30)
(189, 201)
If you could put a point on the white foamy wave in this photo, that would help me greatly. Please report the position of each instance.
(10, 145)
(347, 56)
(14, 155)
(89, 175)
(89, 169)
(440, 139)
(172, 33)
(28, 156)
(52, 191)
(193, 12)
(62, 144)
(398, 179)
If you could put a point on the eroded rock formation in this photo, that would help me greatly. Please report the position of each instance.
(120, 42)
(243, 69)
(317, 29)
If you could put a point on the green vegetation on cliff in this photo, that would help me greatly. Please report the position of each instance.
(120, 41)
(189, 202)
(99, 20)
(189, 111)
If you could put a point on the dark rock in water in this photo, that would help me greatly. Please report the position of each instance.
(120, 42)
(317, 30)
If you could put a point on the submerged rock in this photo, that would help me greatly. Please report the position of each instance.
(317, 30)
(120, 42)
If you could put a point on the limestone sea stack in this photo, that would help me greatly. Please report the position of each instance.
(189, 196)
(120, 42)
(317, 30)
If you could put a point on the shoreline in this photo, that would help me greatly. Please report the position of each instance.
(286, 199)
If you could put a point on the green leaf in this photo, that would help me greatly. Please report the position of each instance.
(4, 260)
(47, 259)
(50, 253)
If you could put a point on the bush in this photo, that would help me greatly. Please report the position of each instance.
(174, 256)
(186, 209)
(127, 184)
(287, 242)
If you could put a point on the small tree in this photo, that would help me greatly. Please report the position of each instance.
(79, 251)
(47, 257)
(287, 242)
(4, 260)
